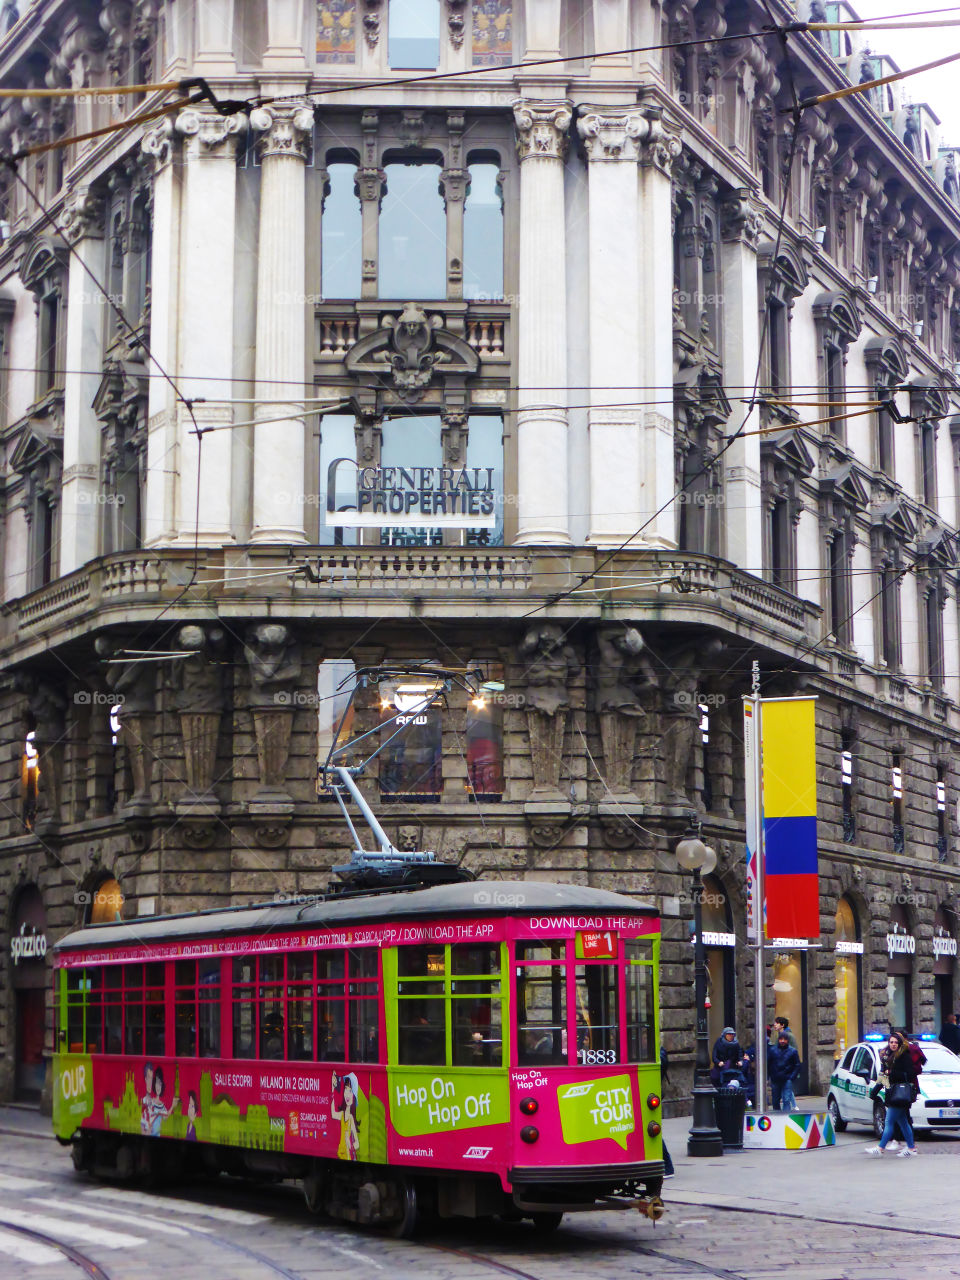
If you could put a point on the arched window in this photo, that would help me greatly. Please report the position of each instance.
(413, 233)
(341, 232)
(483, 234)
(106, 904)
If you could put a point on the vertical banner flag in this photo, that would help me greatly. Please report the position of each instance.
(789, 815)
(750, 747)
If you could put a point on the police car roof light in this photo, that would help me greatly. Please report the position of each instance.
(874, 1035)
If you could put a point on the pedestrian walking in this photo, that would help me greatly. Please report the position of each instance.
(950, 1034)
(780, 1023)
(783, 1067)
(898, 1077)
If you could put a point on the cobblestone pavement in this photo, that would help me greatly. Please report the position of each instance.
(828, 1215)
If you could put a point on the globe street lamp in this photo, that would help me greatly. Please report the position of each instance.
(705, 1138)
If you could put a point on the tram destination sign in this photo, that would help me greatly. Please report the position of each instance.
(413, 497)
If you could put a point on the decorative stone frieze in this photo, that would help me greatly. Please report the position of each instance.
(286, 132)
(371, 22)
(542, 129)
(456, 22)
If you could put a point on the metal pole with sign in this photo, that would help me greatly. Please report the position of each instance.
(754, 831)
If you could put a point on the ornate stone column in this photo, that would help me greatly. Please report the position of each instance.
(278, 474)
(740, 224)
(159, 144)
(660, 149)
(542, 465)
(612, 138)
(83, 226)
(206, 323)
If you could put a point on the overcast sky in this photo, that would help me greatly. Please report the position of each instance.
(913, 49)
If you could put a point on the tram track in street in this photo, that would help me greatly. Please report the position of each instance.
(79, 1259)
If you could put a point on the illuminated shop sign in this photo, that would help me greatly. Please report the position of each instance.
(414, 497)
(943, 945)
(845, 948)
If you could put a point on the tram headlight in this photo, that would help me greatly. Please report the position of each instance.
(653, 1129)
(529, 1106)
(653, 1101)
(529, 1133)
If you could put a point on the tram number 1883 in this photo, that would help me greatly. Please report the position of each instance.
(591, 1057)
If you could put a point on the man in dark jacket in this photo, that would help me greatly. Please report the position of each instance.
(726, 1057)
(950, 1034)
(783, 1067)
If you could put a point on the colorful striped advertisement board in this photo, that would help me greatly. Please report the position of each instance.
(789, 816)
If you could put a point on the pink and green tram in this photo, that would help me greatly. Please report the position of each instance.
(469, 1049)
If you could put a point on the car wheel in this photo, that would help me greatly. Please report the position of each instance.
(838, 1121)
(879, 1119)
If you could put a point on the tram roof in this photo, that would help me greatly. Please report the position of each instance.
(473, 898)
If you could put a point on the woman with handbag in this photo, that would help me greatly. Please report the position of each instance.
(897, 1066)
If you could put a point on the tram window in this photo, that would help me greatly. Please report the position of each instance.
(541, 951)
(185, 1009)
(364, 965)
(113, 977)
(271, 1022)
(475, 960)
(113, 1028)
(598, 1033)
(94, 1016)
(421, 1023)
(299, 1025)
(364, 1030)
(331, 1033)
(133, 1028)
(208, 1008)
(640, 1013)
(300, 1006)
(477, 1033)
(420, 962)
(155, 1031)
(300, 967)
(330, 967)
(244, 1027)
(541, 1014)
(244, 1007)
(271, 969)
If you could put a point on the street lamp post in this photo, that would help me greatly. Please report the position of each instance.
(705, 1138)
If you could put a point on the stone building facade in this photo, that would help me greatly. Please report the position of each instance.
(557, 286)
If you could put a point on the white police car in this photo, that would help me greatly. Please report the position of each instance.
(937, 1107)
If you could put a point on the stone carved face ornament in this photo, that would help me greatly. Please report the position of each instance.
(411, 359)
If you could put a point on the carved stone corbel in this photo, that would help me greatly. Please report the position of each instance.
(48, 711)
(133, 686)
(273, 657)
(199, 699)
(622, 671)
(548, 665)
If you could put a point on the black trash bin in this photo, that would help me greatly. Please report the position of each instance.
(730, 1104)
